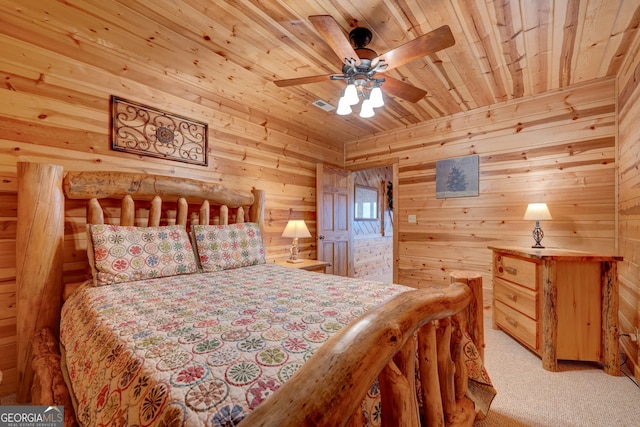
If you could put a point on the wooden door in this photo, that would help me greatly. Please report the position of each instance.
(334, 212)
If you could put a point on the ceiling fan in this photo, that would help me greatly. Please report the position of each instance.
(361, 64)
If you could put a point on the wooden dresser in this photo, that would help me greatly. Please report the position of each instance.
(561, 304)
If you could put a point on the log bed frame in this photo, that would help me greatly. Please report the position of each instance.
(327, 390)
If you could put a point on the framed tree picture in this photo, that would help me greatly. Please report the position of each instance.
(457, 177)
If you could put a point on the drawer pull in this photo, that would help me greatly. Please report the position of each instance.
(512, 297)
(511, 270)
(511, 321)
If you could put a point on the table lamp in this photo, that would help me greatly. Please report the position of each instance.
(295, 228)
(537, 212)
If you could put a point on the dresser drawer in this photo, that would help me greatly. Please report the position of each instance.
(517, 324)
(522, 299)
(516, 270)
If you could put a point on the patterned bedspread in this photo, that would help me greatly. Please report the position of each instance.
(202, 349)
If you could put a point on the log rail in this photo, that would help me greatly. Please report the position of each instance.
(327, 389)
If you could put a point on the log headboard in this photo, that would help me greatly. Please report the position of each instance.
(42, 192)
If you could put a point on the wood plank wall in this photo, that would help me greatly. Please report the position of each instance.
(55, 109)
(373, 248)
(557, 148)
(629, 202)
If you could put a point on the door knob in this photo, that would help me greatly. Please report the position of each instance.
(320, 236)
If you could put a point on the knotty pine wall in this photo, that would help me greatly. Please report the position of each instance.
(558, 148)
(629, 203)
(55, 109)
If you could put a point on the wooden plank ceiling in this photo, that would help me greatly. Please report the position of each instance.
(228, 53)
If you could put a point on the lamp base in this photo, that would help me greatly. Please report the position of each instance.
(295, 261)
(537, 234)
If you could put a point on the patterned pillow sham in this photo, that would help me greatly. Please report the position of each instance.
(124, 254)
(223, 247)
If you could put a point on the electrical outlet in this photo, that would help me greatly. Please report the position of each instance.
(412, 219)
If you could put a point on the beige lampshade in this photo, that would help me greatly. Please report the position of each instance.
(537, 212)
(296, 228)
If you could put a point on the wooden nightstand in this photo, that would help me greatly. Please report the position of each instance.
(306, 264)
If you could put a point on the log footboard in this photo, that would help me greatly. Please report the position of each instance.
(327, 389)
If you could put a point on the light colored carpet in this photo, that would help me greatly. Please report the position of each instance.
(580, 395)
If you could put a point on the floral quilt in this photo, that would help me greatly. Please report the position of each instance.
(203, 349)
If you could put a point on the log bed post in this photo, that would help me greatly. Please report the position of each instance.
(398, 388)
(256, 211)
(446, 367)
(427, 354)
(475, 315)
(128, 211)
(39, 252)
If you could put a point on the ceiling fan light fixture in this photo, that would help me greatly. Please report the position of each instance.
(376, 97)
(366, 110)
(344, 108)
(351, 94)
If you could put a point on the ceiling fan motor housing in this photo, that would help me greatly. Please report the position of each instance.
(360, 36)
(352, 70)
(366, 53)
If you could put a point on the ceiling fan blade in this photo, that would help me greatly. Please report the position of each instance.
(402, 90)
(334, 36)
(302, 80)
(426, 44)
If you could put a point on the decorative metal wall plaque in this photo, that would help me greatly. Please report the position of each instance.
(147, 131)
